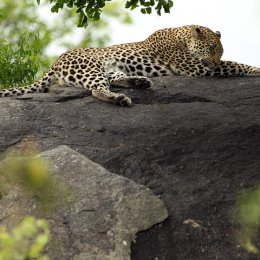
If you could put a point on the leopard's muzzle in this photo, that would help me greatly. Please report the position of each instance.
(209, 64)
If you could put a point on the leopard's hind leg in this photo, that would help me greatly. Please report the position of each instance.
(97, 82)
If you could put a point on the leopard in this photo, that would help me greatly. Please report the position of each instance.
(190, 50)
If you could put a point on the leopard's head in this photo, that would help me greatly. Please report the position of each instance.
(205, 46)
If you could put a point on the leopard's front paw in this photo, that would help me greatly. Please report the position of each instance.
(140, 82)
(122, 100)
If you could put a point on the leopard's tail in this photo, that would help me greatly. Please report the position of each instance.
(42, 85)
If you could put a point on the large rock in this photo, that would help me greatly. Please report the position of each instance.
(193, 141)
(106, 212)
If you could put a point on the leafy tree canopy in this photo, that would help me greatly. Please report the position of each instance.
(92, 8)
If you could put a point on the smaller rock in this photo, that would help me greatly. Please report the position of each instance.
(103, 220)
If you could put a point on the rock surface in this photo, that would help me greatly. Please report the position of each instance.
(106, 213)
(194, 142)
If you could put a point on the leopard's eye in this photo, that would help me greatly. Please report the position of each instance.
(212, 48)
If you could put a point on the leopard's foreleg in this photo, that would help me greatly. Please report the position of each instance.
(231, 68)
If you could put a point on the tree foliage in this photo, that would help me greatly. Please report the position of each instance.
(92, 9)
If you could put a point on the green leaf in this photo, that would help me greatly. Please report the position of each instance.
(70, 4)
(128, 4)
(83, 19)
(148, 10)
(55, 8)
(143, 11)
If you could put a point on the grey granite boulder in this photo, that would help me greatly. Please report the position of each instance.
(103, 220)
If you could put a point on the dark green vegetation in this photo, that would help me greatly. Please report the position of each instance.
(92, 9)
(18, 62)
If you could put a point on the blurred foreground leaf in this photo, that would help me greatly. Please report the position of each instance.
(31, 173)
(25, 241)
(246, 215)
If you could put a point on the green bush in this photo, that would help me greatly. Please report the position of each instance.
(26, 241)
(18, 62)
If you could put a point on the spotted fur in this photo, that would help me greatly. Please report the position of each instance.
(189, 50)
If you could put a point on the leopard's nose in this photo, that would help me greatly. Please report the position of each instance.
(208, 63)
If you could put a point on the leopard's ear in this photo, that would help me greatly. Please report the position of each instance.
(218, 34)
(196, 32)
